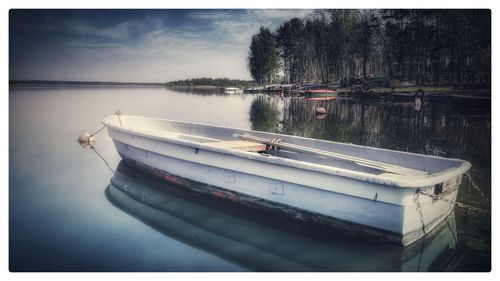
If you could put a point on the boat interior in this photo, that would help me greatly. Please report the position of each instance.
(318, 152)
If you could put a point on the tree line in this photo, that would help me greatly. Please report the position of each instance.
(435, 47)
(217, 82)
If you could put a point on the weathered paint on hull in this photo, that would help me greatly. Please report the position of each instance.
(351, 214)
(345, 227)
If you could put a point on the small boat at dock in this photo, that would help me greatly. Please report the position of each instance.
(320, 98)
(253, 89)
(233, 90)
(321, 91)
(390, 194)
(320, 94)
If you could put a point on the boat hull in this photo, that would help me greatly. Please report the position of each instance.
(320, 95)
(327, 98)
(378, 205)
(372, 217)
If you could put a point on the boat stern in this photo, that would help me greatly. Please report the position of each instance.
(427, 207)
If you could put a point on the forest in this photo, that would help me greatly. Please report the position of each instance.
(217, 82)
(421, 47)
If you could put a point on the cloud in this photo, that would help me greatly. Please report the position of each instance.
(120, 31)
(158, 56)
(211, 43)
(278, 15)
(238, 26)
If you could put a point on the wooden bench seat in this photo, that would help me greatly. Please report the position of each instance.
(239, 144)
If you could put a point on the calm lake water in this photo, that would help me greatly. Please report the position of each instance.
(69, 210)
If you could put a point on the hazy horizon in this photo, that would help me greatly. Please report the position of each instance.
(107, 81)
(149, 46)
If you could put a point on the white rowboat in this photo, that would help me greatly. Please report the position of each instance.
(375, 191)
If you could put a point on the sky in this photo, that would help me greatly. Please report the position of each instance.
(135, 45)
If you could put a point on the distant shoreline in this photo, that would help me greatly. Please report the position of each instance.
(79, 83)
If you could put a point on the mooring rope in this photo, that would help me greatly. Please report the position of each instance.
(421, 253)
(89, 137)
(104, 160)
(102, 128)
(451, 202)
(118, 113)
(87, 140)
(468, 207)
(416, 200)
(474, 185)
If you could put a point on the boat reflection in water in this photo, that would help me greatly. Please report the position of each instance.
(262, 241)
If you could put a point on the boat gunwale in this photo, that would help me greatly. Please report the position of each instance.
(393, 180)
